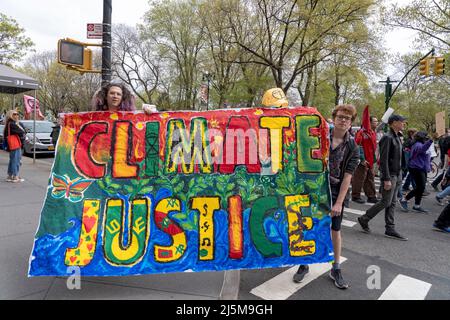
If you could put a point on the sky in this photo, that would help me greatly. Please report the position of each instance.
(47, 21)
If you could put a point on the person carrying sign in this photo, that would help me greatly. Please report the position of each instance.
(343, 160)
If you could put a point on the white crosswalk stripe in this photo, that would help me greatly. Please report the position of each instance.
(406, 288)
(282, 287)
(348, 223)
(354, 211)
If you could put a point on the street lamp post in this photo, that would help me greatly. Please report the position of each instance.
(106, 42)
(207, 77)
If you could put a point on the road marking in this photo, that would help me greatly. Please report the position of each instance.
(358, 212)
(406, 288)
(282, 287)
(348, 223)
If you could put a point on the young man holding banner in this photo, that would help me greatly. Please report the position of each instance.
(343, 160)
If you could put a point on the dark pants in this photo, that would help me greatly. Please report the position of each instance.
(363, 178)
(387, 202)
(408, 181)
(420, 178)
(444, 218)
(438, 180)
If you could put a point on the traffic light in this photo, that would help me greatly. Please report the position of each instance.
(71, 53)
(424, 67)
(439, 66)
(75, 55)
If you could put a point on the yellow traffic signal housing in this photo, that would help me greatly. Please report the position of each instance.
(439, 66)
(75, 55)
(424, 67)
(87, 54)
(70, 52)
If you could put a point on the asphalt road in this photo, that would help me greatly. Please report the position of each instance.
(376, 267)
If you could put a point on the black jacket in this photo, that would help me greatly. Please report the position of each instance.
(390, 155)
(348, 165)
(351, 158)
(15, 129)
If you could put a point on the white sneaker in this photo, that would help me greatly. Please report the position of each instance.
(9, 179)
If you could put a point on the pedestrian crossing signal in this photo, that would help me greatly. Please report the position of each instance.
(70, 53)
(75, 55)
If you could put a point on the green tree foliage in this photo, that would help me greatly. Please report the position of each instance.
(177, 29)
(13, 43)
(431, 18)
(61, 90)
(419, 98)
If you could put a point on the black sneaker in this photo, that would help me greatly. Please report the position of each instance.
(358, 200)
(301, 273)
(364, 225)
(372, 200)
(339, 281)
(395, 235)
(420, 209)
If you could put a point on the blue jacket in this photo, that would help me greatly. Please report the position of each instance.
(419, 158)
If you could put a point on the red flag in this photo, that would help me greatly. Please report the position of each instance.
(366, 137)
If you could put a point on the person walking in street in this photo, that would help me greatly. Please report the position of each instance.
(14, 133)
(419, 165)
(442, 223)
(407, 145)
(445, 183)
(444, 144)
(343, 160)
(363, 177)
(440, 196)
(391, 178)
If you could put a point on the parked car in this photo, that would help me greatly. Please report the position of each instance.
(2, 127)
(43, 139)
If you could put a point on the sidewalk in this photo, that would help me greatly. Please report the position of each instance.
(20, 208)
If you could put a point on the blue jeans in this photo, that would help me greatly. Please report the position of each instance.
(14, 162)
(444, 193)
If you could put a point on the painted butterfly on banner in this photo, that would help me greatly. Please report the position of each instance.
(63, 187)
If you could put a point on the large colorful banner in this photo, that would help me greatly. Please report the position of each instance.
(131, 193)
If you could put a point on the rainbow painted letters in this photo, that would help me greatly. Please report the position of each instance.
(131, 193)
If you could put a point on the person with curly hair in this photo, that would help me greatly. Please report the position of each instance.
(113, 97)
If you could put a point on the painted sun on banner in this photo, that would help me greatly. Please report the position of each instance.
(131, 193)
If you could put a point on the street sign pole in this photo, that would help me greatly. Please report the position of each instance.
(106, 42)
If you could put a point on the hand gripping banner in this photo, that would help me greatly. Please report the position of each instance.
(131, 193)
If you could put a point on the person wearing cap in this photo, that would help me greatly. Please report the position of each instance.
(419, 164)
(390, 177)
